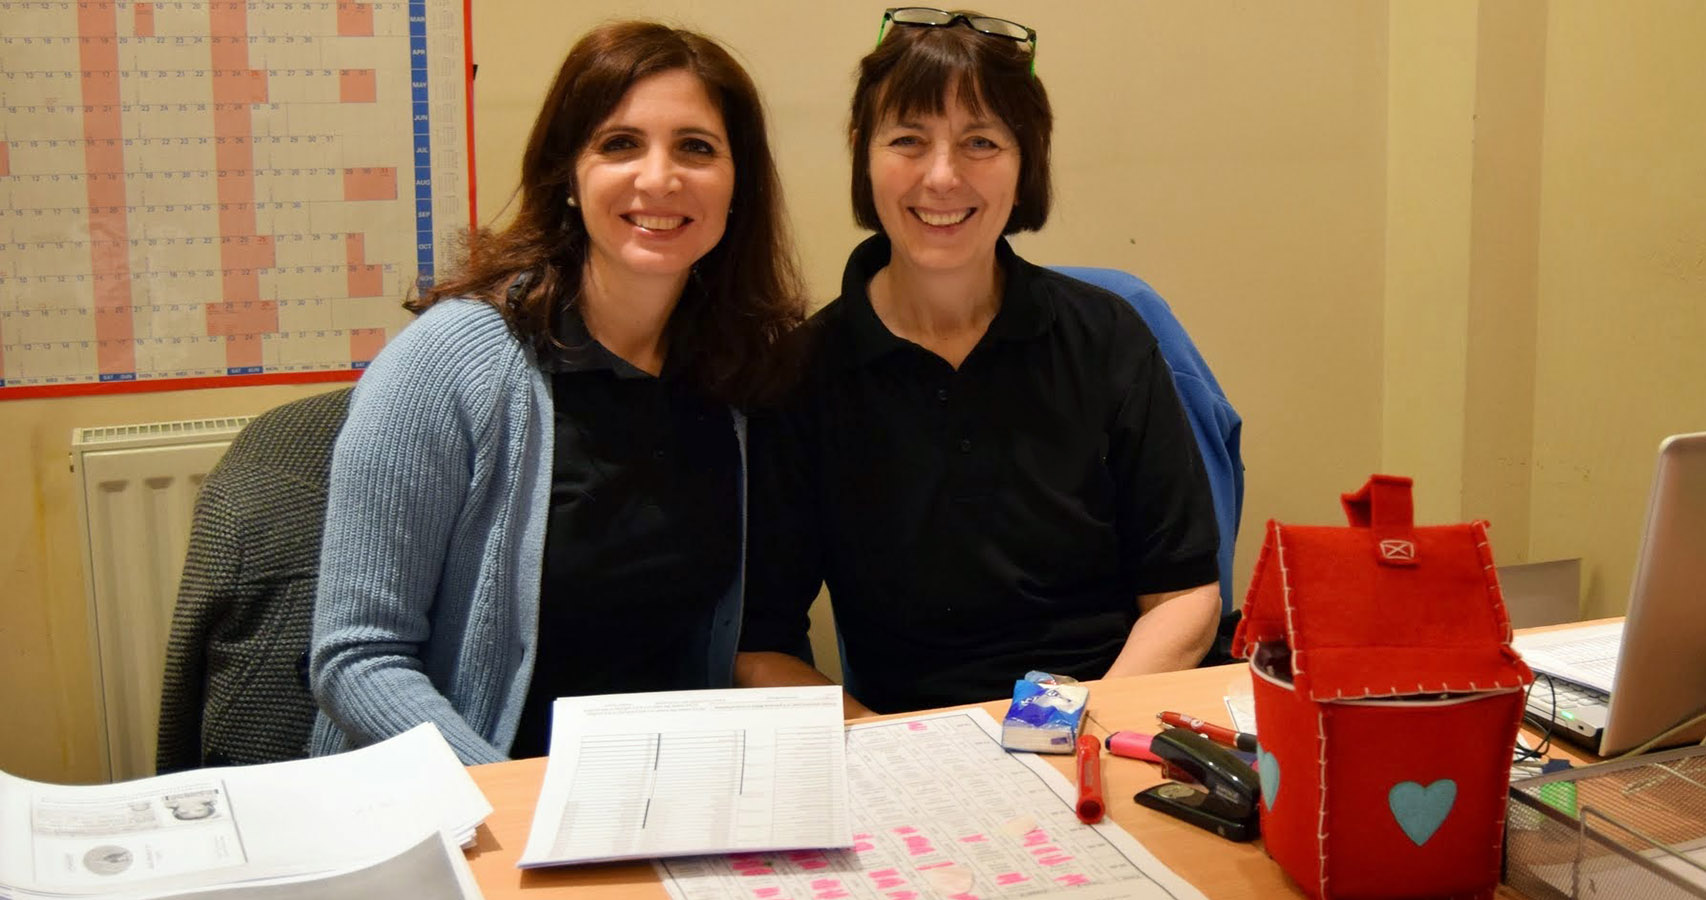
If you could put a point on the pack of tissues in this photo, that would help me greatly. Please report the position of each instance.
(1046, 713)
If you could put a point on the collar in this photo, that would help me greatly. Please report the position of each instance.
(577, 350)
(1024, 312)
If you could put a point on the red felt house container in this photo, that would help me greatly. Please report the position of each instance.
(1387, 701)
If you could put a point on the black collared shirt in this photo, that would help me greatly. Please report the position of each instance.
(643, 533)
(973, 525)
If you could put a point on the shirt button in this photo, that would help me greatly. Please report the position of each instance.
(942, 394)
(657, 454)
(965, 445)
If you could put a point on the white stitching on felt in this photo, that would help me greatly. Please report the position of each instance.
(1285, 596)
(1321, 814)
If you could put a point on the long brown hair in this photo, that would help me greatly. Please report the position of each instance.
(743, 296)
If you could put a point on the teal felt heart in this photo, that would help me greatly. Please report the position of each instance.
(1421, 810)
(1267, 769)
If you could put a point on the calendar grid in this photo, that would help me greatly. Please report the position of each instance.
(212, 192)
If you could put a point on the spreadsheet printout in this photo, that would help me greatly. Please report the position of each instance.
(685, 772)
(941, 810)
(1586, 655)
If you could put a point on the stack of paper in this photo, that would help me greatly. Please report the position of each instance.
(679, 773)
(941, 809)
(245, 825)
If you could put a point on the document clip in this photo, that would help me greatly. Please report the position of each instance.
(1226, 801)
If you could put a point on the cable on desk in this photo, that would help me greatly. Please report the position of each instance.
(1538, 752)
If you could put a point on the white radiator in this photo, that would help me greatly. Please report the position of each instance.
(138, 487)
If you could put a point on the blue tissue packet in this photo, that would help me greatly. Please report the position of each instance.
(1045, 715)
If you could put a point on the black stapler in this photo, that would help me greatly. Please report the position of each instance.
(1225, 802)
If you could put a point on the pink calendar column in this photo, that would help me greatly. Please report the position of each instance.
(103, 161)
(243, 316)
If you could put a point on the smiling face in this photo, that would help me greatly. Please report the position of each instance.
(655, 180)
(943, 185)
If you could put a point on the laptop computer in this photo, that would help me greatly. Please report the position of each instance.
(1614, 687)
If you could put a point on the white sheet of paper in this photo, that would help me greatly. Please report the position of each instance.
(216, 826)
(633, 776)
(1241, 708)
(1586, 655)
(940, 809)
(432, 868)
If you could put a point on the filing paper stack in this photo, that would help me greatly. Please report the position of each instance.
(391, 814)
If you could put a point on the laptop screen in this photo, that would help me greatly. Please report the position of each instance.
(1660, 679)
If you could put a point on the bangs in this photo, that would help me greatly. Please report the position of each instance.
(920, 82)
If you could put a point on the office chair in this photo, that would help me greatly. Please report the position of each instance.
(1217, 426)
(235, 689)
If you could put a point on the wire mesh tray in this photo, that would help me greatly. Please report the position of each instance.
(1624, 830)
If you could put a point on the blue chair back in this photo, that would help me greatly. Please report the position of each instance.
(1216, 424)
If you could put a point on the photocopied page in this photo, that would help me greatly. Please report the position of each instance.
(941, 809)
(430, 868)
(633, 776)
(215, 826)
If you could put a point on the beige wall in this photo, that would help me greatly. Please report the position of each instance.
(1620, 345)
(1462, 240)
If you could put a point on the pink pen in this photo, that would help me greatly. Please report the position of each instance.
(1132, 745)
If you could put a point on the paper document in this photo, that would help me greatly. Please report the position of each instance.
(432, 868)
(685, 772)
(1586, 655)
(940, 809)
(187, 830)
(1241, 708)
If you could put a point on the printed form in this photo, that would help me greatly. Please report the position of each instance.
(941, 810)
(633, 776)
(185, 831)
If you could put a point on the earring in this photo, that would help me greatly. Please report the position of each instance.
(573, 203)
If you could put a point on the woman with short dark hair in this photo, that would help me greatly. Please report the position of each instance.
(987, 462)
(539, 490)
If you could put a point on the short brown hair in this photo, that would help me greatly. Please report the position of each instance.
(911, 72)
(745, 293)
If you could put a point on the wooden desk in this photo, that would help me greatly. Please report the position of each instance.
(1219, 868)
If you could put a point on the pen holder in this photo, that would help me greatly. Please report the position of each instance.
(1387, 702)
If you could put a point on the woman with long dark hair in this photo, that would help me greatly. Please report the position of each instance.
(539, 490)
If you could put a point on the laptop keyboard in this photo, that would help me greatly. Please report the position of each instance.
(1579, 713)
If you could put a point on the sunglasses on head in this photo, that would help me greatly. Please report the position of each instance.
(927, 17)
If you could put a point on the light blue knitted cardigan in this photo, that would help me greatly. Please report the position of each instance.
(428, 604)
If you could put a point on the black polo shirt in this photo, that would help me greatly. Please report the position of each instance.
(643, 533)
(975, 524)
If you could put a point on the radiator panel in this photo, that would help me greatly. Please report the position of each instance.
(138, 497)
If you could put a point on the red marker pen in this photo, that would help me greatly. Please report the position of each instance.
(1225, 737)
(1089, 779)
